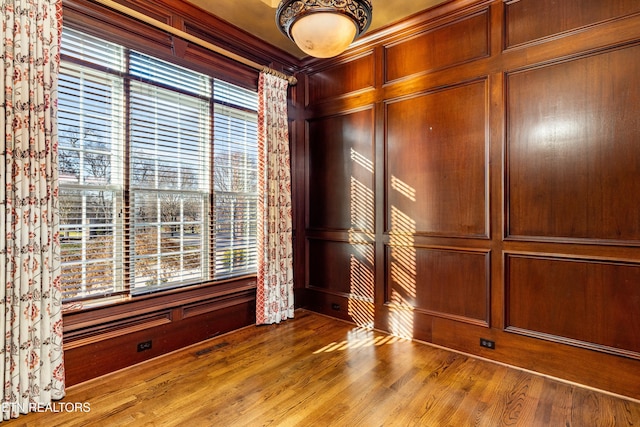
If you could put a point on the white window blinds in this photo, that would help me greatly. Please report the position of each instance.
(169, 187)
(90, 136)
(158, 169)
(235, 185)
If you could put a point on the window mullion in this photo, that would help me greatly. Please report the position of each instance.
(127, 230)
(213, 239)
(83, 242)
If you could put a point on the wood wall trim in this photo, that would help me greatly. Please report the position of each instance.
(592, 368)
(428, 18)
(341, 80)
(607, 35)
(348, 160)
(574, 343)
(457, 280)
(594, 301)
(416, 312)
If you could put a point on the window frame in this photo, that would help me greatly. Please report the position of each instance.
(247, 83)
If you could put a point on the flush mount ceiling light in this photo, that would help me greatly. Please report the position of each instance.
(323, 28)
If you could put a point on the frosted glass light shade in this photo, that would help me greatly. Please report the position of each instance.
(323, 28)
(324, 35)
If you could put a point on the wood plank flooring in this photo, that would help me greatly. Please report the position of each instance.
(318, 371)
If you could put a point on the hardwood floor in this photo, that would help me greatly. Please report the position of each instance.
(318, 371)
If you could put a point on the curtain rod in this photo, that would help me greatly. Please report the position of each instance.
(188, 37)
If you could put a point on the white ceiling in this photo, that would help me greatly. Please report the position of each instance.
(258, 17)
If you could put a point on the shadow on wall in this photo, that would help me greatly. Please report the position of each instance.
(361, 238)
(402, 264)
(362, 263)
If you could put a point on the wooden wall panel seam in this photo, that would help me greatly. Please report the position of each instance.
(346, 96)
(435, 89)
(345, 295)
(574, 44)
(575, 251)
(573, 240)
(340, 235)
(444, 248)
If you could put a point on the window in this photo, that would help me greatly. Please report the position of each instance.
(158, 173)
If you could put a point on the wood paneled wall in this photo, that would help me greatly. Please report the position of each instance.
(474, 173)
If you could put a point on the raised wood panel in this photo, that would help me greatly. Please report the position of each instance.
(528, 20)
(437, 164)
(209, 306)
(341, 181)
(341, 79)
(341, 267)
(590, 302)
(111, 352)
(572, 141)
(443, 282)
(451, 44)
(114, 329)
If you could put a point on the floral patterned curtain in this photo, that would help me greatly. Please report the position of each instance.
(274, 301)
(32, 372)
